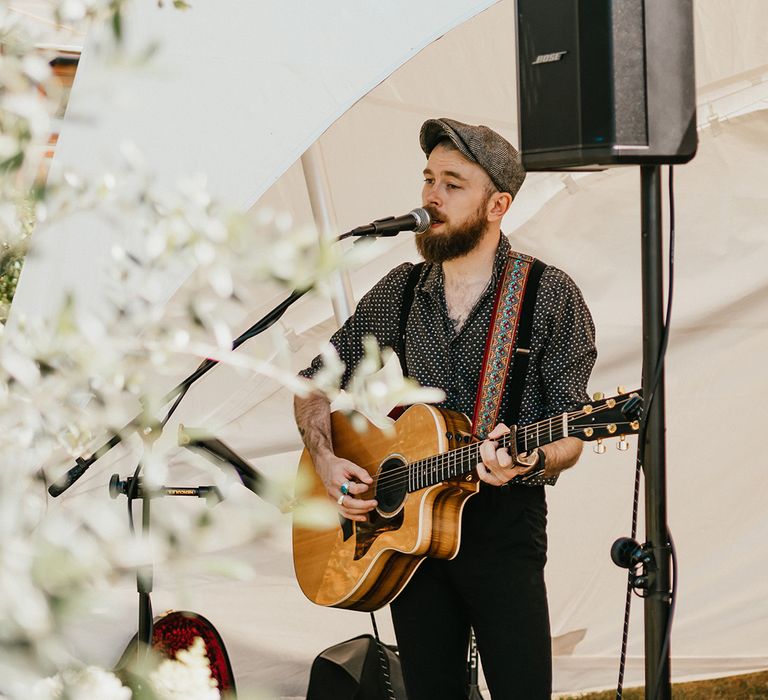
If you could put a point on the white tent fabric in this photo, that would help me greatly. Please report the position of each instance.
(240, 95)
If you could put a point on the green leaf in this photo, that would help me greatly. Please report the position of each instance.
(117, 25)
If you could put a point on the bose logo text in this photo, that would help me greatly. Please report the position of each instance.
(549, 57)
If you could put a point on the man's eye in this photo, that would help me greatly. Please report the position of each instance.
(428, 180)
(452, 186)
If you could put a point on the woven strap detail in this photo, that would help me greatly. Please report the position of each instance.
(500, 343)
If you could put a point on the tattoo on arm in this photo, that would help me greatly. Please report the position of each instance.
(313, 418)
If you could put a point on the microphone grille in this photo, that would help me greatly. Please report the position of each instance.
(422, 219)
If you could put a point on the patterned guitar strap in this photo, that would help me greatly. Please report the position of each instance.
(507, 346)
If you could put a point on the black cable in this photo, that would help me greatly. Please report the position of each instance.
(648, 402)
(628, 602)
(670, 291)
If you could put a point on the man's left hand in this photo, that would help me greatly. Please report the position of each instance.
(497, 467)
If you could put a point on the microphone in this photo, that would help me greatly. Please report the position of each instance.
(416, 220)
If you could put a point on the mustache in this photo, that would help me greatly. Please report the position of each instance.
(434, 214)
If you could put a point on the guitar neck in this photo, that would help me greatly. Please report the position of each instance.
(614, 417)
(462, 461)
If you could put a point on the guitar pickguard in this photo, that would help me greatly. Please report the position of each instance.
(366, 533)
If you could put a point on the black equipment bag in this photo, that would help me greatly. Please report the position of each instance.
(359, 669)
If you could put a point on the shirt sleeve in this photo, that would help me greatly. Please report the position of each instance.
(377, 314)
(568, 351)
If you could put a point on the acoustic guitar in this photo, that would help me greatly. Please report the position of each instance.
(423, 472)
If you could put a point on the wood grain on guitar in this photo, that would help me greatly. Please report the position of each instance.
(423, 474)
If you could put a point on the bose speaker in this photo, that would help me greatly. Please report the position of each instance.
(605, 82)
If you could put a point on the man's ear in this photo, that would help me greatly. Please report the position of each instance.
(498, 205)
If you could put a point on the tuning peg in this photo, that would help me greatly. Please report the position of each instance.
(621, 389)
(599, 447)
(598, 396)
(622, 444)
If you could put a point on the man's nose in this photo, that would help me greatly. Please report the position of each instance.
(431, 195)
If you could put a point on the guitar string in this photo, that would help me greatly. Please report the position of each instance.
(461, 457)
(425, 469)
(503, 440)
(443, 459)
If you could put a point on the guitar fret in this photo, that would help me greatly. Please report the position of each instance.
(550, 429)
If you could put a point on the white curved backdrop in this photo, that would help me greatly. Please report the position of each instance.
(240, 95)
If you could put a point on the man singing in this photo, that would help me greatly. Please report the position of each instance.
(495, 585)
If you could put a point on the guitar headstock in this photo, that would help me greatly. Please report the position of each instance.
(617, 416)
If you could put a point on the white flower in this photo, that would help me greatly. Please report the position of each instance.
(72, 10)
(84, 684)
(188, 677)
(378, 385)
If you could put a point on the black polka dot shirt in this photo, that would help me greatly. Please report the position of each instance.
(562, 351)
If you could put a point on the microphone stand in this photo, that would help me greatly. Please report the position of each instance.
(133, 487)
(83, 464)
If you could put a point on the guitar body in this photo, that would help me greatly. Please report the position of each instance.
(423, 472)
(363, 566)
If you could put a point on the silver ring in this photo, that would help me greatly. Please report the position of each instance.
(340, 498)
(344, 488)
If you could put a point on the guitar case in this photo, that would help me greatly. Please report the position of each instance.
(357, 669)
(176, 630)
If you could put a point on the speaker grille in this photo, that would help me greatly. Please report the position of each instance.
(605, 82)
(582, 74)
(628, 72)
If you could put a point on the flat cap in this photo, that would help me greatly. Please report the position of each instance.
(492, 152)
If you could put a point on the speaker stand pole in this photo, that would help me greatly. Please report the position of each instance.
(658, 601)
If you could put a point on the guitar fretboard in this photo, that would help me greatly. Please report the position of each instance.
(461, 461)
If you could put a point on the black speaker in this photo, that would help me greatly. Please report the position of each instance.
(605, 82)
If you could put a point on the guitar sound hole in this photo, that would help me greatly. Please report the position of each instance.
(391, 485)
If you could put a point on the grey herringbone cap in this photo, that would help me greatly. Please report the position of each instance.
(482, 145)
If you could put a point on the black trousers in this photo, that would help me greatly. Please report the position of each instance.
(496, 586)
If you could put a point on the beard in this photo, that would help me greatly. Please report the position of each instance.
(454, 242)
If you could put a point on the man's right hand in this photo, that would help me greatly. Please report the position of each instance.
(335, 472)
